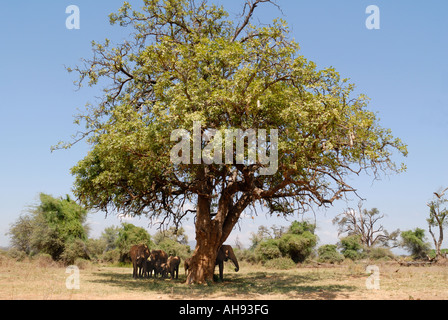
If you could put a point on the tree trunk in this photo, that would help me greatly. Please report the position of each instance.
(203, 260)
(208, 242)
(439, 246)
(212, 232)
(437, 243)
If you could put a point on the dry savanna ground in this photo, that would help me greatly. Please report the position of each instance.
(44, 280)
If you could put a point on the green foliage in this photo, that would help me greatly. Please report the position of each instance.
(174, 248)
(296, 244)
(268, 250)
(432, 253)
(73, 250)
(129, 235)
(329, 253)
(191, 63)
(175, 234)
(351, 247)
(96, 248)
(20, 233)
(301, 227)
(379, 253)
(282, 263)
(55, 227)
(263, 233)
(414, 241)
(110, 236)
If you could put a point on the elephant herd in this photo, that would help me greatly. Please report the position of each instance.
(145, 262)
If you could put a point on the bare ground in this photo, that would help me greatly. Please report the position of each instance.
(47, 281)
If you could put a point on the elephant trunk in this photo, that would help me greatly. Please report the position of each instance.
(235, 262)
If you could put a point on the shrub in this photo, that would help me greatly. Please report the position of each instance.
(17, 254)
(44, 260)
(328, 253)
(351, 247)
(380, 253)
(96, 248)
(82, 263)
(246, 255)
(112, 256)
(414, 242)
(50, 227)
(283, 263)
(267, 250)
(73, 250)
(297, 246)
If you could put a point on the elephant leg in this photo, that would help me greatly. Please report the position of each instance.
(134, 270)
(221, 271)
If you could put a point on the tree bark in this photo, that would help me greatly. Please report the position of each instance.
(212, 232)
(208, 242)
(437, 243)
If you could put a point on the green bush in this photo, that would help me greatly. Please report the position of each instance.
(297, 246)
(328, 253)
(351, 247)
(96, 248)
(73, 250)
(247, 255)
(283, 263)
(380, 253)
(267, 250)
(50, 228)
(415, 243)
(112, 256)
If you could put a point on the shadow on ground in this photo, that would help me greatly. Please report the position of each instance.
(250, 285)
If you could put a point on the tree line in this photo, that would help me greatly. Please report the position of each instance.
(57, 227)
(361, 235)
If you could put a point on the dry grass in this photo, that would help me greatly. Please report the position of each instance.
(45, 280)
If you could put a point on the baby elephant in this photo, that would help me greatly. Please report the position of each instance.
(172, 266)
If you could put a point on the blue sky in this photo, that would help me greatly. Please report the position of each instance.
(402, 67)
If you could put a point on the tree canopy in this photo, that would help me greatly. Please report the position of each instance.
(187, 62)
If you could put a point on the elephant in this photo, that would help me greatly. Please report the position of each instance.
(163, 270)
(187, 263)
(224, 254)
(139, 254)
(158, 258)
(173, 266)
(150, 267)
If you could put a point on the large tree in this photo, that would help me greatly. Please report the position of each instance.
(56, 226)
(367, 225)
(188, 63)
